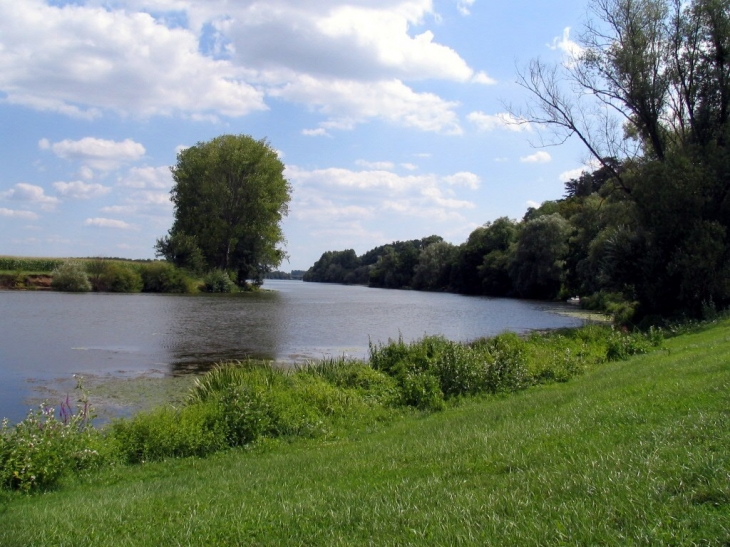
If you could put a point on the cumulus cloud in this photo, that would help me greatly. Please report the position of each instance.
(503, 120)
(537, 157)
(79, 60)
(347, 103)
(147, 177)
(80, 190)
(14, 213)
(100, 154)
(109, 223)
(349, 60)
(29, 192)
(463, 178)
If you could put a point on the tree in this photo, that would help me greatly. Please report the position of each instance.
(649, 96)
(230, 196)
(538, 265)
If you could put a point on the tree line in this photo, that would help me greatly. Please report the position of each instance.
(648, 94)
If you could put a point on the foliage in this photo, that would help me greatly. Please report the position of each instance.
(182, 250)
(218, 281)
(38, 450)
(165, 278)
(112, 276)
(230, 195)
(70, 276)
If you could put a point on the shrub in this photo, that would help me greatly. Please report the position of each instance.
(38, 450)
(422, 390)
(70, 276)
(461, 370)
(108, 276)
(120, 278)
(218, 281)
(165, 278)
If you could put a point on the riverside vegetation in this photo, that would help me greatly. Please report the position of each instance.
(110, 275)
(632, 452)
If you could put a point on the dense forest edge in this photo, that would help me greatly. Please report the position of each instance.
(659, 251)
(501, 440)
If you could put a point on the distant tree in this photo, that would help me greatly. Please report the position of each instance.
(433, 271)
(230, 196)
(538, 264)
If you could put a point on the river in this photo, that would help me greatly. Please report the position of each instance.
(46, 337)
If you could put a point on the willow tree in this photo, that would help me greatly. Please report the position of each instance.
(229, 197)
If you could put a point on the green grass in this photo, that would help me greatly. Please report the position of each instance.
(633, 452)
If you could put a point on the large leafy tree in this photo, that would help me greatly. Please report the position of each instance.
(230, 195)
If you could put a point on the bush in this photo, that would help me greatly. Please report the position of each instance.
(70, 276)
(422, 390)
(108, 276)
(37, 451)
(120, 278)
(218, 281)
(165, 278)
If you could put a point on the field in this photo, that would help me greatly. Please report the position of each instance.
(633, 452)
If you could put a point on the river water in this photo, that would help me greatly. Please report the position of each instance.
(49, 336)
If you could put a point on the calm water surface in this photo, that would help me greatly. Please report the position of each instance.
(46, 336)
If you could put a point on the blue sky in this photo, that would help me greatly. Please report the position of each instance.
(389, 115)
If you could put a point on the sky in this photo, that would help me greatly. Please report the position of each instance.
(391, 116)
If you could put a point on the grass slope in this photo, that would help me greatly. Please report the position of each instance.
(632, 453)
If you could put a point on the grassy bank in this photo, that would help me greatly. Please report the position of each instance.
(632, 452)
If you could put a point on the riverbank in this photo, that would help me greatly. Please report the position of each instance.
(25, 282)
(633, 452)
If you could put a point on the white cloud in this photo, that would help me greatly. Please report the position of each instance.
(14, 213)
(109, 223)
(409, 166)
(537, 157)
(156, 199)
(348, 60)
(503, 120)
(377, 165)
(571, 50)
(80, 190)
(464, 6)
(565, 176)
(589, 167)
(533, 204)
(347, 103)
(29, 192)
(100, 154)
(483, 78)
(147, 177)
(362, 180)
(80, 60)
(465, 179)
